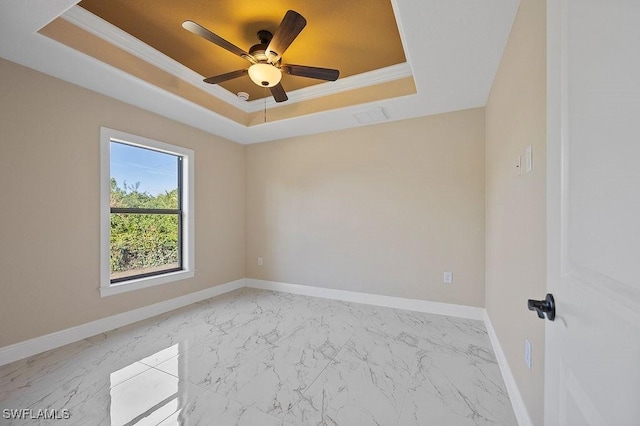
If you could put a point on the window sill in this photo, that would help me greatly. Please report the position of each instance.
(137, 284)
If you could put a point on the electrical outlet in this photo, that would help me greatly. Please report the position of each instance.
(528, 158)
(260, 261)
(448, 277)
(527, 353)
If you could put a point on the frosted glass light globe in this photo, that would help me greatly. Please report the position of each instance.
(265, 75)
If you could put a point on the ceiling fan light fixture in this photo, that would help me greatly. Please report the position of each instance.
(266, 68)
(264, 74)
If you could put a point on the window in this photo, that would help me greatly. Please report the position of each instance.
(146, 212)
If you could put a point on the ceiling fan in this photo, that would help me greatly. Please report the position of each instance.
(266, 57)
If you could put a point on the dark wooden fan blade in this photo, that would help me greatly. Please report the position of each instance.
(289, 28)
(312, 72)
(201, 31)
(224, 77)
(278, 93)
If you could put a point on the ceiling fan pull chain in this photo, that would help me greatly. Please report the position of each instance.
(265, 104)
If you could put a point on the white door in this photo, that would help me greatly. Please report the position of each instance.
(593, 346)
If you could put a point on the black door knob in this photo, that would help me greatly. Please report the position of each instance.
(543, 307)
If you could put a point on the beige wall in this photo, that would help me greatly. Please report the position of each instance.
(384, 209)
(49, 219)
(515, 205)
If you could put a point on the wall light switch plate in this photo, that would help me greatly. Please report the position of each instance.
(528, 160)
(260, 261)
(527, 353)
(448, 277)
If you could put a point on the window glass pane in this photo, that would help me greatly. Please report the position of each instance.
(143, 243)
(143, 178)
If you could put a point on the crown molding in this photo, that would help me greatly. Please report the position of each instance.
(125, 41)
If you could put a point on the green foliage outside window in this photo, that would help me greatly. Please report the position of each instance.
(143, 242)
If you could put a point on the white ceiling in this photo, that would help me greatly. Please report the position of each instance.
(453, 49)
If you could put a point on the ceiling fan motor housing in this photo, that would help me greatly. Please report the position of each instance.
(259, 51)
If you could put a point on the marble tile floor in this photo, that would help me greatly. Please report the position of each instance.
(254, 357)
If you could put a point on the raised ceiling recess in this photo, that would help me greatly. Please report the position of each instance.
(353, 37)
(138, 52)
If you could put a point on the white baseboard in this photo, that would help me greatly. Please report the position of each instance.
(50, 341)
(470, 312)
(520, 410)
(60, 338)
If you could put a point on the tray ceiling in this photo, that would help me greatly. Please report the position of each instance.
(401, 58)
(352, 36)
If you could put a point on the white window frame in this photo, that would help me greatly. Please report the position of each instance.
(188, 229)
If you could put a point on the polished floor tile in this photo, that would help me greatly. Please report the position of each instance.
(254, 357)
